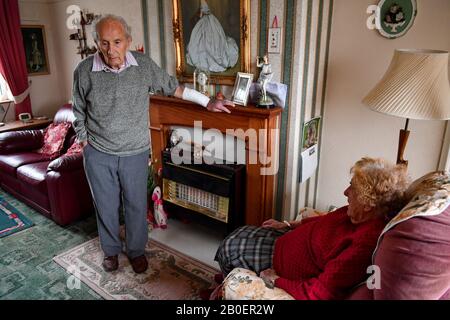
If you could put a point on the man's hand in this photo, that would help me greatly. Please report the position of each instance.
(213, 105)
(216, 105)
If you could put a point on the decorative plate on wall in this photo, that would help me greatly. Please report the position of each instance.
(396, 17)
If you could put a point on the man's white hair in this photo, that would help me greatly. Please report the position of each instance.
(102, 18)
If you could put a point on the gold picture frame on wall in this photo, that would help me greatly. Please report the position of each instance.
(227, 49)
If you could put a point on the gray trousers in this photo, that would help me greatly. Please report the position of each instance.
(112, 178)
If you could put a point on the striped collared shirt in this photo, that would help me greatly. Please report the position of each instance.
(99, 65)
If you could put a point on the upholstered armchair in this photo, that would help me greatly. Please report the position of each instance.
(413, 252)
(56, 186)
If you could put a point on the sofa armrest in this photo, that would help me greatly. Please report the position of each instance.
(413, 258)
(69, 195)
(17, 141)
(67, 163)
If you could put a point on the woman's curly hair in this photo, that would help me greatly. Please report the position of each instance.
(380, 184)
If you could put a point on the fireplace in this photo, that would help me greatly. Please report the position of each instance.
(212, 190)
(259, 183)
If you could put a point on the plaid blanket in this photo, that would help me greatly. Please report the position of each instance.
(248, 247)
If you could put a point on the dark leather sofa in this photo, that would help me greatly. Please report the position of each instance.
(56, 188)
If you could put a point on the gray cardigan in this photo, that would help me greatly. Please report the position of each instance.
(111, 109)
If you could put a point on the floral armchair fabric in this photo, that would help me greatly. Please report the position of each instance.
(413, 252)
(243, 284)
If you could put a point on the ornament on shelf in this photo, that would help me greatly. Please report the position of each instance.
(84, 50)
(201, 81)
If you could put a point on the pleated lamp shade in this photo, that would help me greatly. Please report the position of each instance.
(415, 86)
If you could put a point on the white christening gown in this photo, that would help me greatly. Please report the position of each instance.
(209, 47)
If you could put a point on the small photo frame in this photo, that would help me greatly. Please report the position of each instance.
(311, 133)
(35, 50)
(242, 88)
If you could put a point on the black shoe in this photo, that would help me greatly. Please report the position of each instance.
(139, 264)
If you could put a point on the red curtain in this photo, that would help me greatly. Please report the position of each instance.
(12, 53)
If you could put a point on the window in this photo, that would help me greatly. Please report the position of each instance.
(5, 93)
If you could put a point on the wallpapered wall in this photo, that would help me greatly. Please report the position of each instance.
(358, 59)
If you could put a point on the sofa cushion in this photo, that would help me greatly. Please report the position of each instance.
(34, 175)
(20, 141)
(413, 251)
(75, 148)
(414, 259)
(54, 138)
(10, 163)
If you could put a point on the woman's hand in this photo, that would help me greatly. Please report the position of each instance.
(269, 276)
(274, 224)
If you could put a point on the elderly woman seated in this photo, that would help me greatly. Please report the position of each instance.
(322, 257)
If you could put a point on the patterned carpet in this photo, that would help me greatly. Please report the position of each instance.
(26, 267)
(171, 275)
(28, 272)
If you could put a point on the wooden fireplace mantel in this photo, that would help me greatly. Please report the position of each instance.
(260, 189)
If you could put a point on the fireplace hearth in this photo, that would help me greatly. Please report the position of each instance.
(212, 190)
(205, 188)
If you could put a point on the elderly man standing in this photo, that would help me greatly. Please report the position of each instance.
(110, 102)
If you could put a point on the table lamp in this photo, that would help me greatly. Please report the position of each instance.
(415, 86)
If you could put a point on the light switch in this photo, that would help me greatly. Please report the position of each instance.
(274, 43)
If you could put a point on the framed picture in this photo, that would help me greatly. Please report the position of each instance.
(35, 49)
(242, 88)
(212, 35)
(311, 133)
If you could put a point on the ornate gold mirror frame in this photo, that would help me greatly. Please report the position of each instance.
(184, 71)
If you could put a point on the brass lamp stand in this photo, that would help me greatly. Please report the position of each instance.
(403, 139)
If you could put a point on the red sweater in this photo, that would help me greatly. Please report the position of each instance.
(326, 256)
